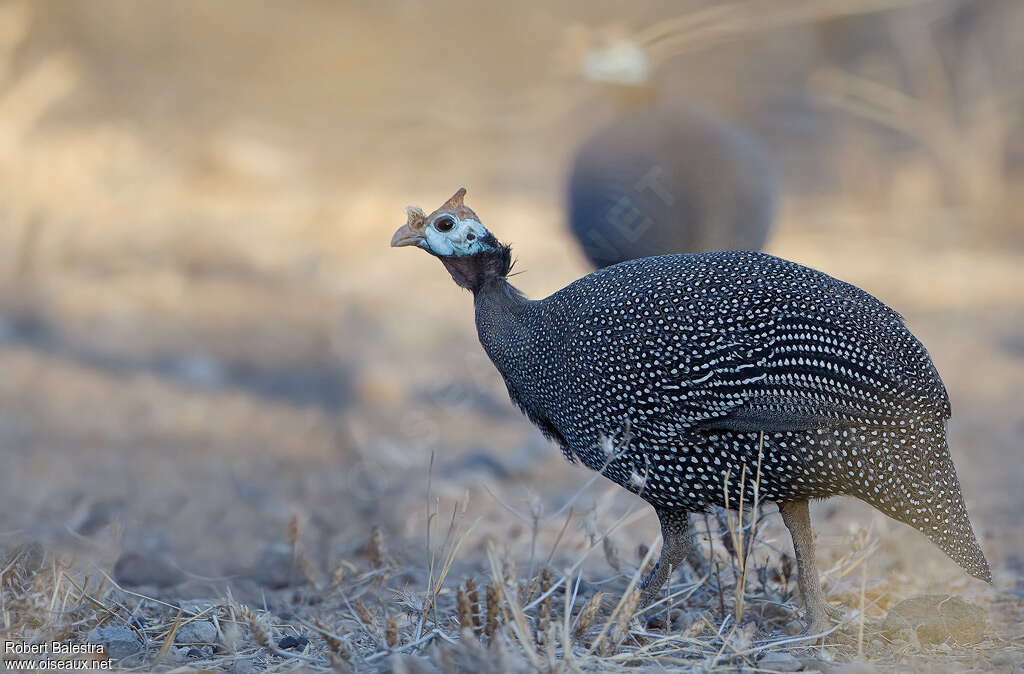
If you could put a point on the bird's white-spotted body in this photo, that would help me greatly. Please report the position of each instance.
(688, 377)
(697, 354)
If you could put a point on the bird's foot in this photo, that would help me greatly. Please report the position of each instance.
(815, 631)
(825, 621)
(835, 613)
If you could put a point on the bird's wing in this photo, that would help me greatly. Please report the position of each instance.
(774, 372)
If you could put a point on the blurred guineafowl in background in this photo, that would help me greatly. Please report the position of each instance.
(669, 178)
(681, 376)
(666, 176)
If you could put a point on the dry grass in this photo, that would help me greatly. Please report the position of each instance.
(412, 613)
(555, 620)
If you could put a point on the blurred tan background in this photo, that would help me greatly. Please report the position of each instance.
(203, 332)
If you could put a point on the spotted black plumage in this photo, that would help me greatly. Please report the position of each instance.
(663, 373)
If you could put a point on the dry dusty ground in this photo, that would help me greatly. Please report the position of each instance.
(226, 405)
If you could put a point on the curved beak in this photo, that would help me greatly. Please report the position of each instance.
(406, 236)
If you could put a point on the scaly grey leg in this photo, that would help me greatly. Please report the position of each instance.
(797, 517)
(677, 544)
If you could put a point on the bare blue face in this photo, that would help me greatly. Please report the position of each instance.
(446, 235)
(453, 230)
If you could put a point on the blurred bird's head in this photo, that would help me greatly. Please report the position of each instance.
(454, 234)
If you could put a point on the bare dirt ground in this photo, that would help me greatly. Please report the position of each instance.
(225, 402)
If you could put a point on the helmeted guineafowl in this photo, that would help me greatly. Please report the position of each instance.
(668, 177)
(715, 362)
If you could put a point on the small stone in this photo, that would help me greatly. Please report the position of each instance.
(936, 619)
(118, 641)
(777, 661)
(297, 642)
(133, 569)
(194, 653)
(196, 632)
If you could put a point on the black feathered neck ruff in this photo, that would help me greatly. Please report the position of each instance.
(473, 272)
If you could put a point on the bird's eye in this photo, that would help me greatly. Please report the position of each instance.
(444, 224)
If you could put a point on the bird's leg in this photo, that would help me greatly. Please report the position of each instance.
(797, 517)
(676, 545)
